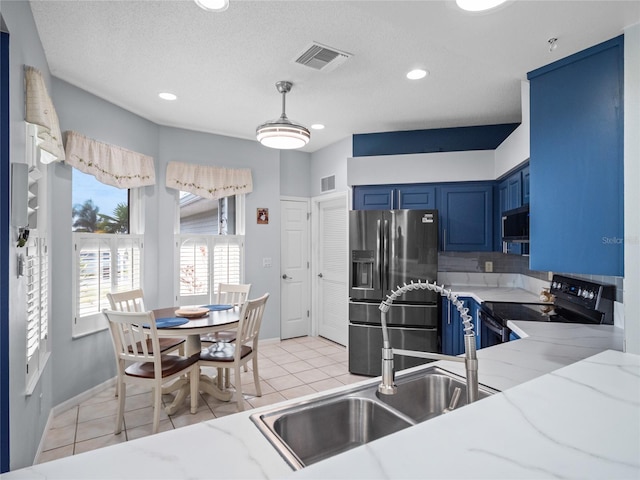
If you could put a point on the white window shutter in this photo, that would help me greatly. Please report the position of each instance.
(203, 262)
(128, 264)
(93, 273)
(37, 307)
(227, 259)
(193, 270)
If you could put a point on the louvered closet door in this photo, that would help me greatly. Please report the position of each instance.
(333, 270)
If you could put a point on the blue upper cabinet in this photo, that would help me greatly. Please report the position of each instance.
(577, 223)
(417, 197)
(513, 192)
(466, 220)
(374, 197)
(525, 185)
(465, 209)
(389, 197)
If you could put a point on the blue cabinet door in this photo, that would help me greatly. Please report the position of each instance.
(577, 187)
(388, 197)
(466, 220)
(525, 185)
(373, 197)
(416, 197)
(514, 191)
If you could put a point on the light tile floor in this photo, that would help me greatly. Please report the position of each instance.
(288, 369)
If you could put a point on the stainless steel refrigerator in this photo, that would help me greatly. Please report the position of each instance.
(388, 248)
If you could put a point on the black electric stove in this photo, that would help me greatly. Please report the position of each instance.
(575, 301)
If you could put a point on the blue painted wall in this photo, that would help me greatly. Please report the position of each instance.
(4, 252)
(485, 137)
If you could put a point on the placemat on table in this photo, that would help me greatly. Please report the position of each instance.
(218, 307)
(168, 322)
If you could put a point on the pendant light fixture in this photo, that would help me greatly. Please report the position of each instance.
(283, 133)
(213, 5)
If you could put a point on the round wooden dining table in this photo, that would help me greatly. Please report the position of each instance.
(214, 321)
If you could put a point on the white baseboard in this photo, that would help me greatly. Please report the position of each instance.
(66, 405)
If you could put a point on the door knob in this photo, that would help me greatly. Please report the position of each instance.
(284, 276)
(320, 275)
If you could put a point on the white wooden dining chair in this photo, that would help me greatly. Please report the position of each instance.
(129, 337)
(133, 301)
(244, 349)
(129, 301)
(227, 294)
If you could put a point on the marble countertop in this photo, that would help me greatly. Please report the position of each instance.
(581, 421)
(554, 418)
(496, 294)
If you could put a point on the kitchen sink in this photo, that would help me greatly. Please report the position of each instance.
(434, 390)
(326, 429)
(313, 430)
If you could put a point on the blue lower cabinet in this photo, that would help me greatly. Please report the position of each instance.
(513, 336)
(452, 331)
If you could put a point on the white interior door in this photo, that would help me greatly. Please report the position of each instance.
(295, 320)
(332, 269)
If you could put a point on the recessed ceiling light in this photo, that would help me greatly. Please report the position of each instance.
(478, 5)
(317, 126)
(213, 5)
(417, 74)
(167, 96)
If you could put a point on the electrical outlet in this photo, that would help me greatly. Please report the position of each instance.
(488, 267)
(266, 262)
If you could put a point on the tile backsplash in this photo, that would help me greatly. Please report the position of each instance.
(507, 263)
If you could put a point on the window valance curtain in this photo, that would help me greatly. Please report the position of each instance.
(209, 182)
(110, 164)
(39, 110)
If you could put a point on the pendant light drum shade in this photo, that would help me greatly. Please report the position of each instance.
(283, 133)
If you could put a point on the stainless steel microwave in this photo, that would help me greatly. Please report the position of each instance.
(515, 225)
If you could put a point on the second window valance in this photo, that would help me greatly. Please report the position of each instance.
(110, 164)
(207, 181)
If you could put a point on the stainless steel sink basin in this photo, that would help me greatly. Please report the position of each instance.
(434, 392)
(313, 430)
(322, 430)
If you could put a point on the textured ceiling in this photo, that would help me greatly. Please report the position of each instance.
(223, 66)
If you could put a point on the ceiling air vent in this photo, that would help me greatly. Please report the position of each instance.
(321, 57)
(328, 184)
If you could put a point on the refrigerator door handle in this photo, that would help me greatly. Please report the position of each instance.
(379, 257)
(385, 258)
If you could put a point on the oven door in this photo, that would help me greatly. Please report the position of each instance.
(492, 330)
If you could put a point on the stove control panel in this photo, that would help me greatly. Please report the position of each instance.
(581, 292)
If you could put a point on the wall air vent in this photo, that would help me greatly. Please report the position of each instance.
(327, 184)
(320, 57)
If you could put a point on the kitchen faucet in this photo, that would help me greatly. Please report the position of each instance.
(387, 386)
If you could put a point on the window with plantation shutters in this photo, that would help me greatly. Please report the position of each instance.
(37, 283)
(204, 261)
(34, 261)
(103, 263)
